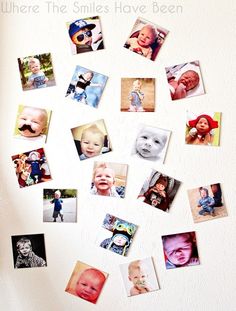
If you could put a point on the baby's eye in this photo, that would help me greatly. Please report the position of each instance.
(85, 142)
(108, 176)
(157, 141)
(94, 289)
(144, 137)
(97, 145)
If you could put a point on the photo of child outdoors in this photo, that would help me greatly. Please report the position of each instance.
(86, 86)
(180, 250)
(146, 39)
(36, 71)
(207, 203)
(86, 282)
(203, 129)
(31, 167)
(120, 235)
(139, 277)
(159, 190)
(25, 249)
(32, 123)
(185, 80)
(138, 94)
(151, 143)
(109, 179)
(59, 204)
(85, 35)
(91, 139)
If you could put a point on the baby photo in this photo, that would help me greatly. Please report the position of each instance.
(180, 250)
(31, 167)
(139, 277)
(85, 35)
(91, 139)
(185, 80)
(151, 143)
(117, 234)
(207, 203)
(203, 129)
(146, 39)
(86, 86)
(32, 123)
(36, 72)
(109, 179)
(86, 282)
(159, 190)
(138, 94)
(28, 251)
(59, 205)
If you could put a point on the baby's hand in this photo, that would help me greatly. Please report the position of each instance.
(141, 197)
(193, 132)
(46, 79)
(180, 91)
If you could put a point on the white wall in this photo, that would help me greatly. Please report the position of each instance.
(201, 30)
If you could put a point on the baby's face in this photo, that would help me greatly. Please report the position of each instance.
(150, 143)
(35, 68)
(91, 144)
(89, 286)
(83, 36)
(203, 194)
(104, 178)
(138, 277)
(190, 79)
(57, 195)
(160, 187)
(119, 240)
(88, 76)
(178, 250)
(24, 249)
(145, 37)
(202, 126)
(31, 122)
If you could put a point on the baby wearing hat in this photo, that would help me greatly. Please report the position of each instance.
(81, 35)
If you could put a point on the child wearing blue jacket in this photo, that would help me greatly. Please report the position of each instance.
(57, 206)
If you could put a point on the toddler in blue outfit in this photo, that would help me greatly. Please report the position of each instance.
(206, 202)
(57, 206)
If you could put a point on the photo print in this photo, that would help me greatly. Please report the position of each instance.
(180, 250)
(185, 80)
(59, 205)
(86, 282)
(117, 234)
(139, 277)
(85, 35)
(32, 123)
(146, 39)
(203, 128)
(31, 167)
(138, 94)
(207, 203)
(91, 139)
(151, 143)
(109, 179)
(36, 71)
(28, 251)
(86, 86)
(159, 191)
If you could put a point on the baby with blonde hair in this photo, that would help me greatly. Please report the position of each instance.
(37, 79)
(137, 274)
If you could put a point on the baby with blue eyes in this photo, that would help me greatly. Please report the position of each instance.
(150, 143)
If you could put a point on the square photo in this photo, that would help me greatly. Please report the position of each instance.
(31, 167)
(109, 179)
(139, 277)
(207, 203)
(151, 143)
(146, 39)
(59, 205)
(185, 80)
(91, 139)
(203, 129)
(36, 71)
(180, 250)
(86, 282)
(85, 35)
(28, 251)
(32, 123)
(159, 190)
(117, 234)
(138, 94)
(86, 86)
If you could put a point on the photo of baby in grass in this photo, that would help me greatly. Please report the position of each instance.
(36, 72)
